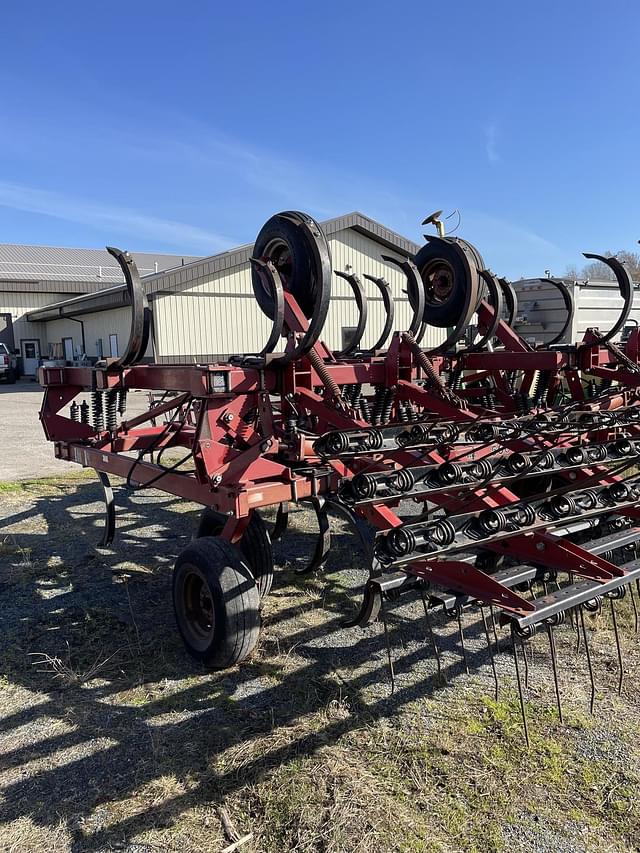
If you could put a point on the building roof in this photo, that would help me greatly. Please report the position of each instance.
(184, 275)
(94, 267)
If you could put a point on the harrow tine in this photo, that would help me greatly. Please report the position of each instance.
(635, 609)
(618, 646)
(492, 612)
(383, 613)
(432, 636)
(588, 653)
(526, 663)
(462, 643)
(554, 666)
(490, 650)
(519, 682)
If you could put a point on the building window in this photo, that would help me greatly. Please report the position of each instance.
(113, 345)
(99, 350)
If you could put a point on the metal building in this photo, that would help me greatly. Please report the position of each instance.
(32, 277)
(206, 309)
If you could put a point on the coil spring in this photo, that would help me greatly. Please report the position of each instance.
(387, 406)
(588, 499)
(365, 411)
(545, 461)
(374, 440)
(74, 411)
(542, 386)
(84, 412)
(364, 486)
(562, 505)
(448, 473)
(403, 480)
(400, 542)
(442, 533)
(455, 379)
(378, 404)
(97, 411)
(525, 515)
(594, 605)
(481, 469)
(111, 411)
(403, 414)
(517, 463)
(122, 401)
(523, 403)
(492, 521)
(321, 369)
(605, 384)
(591, 388)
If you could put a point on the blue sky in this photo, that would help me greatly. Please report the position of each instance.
(182, 126)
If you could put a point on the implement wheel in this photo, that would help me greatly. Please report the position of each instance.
(216, 603)
(255, 545)
(448, 288)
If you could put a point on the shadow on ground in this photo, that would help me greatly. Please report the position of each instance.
(131, 750)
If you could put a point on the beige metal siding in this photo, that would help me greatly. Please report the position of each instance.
(96, 326)
(18, 304)
(218, 314)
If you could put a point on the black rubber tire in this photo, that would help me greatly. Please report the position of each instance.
(286, 245)
(11, 376)
(445, 314)
(255, 545)
(213, 570)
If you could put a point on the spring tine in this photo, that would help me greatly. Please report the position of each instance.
(554, 665)
(383, 613)
(493, 625)
(432, 636)
(461, 632)
(526, 664)
(490, 649)
(635, 609)
(588, 653)
(545, 587)
(532, 590)
(519, 681)
(618, 647)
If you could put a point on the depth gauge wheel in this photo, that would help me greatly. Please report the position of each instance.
(216, 603)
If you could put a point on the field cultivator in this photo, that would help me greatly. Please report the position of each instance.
(483, 473)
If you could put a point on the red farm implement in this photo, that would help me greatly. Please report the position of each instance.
(482, 474)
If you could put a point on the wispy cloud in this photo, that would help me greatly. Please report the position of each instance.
(113, 219)
(491, 135)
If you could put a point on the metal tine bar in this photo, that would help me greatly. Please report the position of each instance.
(554, 665)
(588, 653)
(490, 650)
(618, 646)
(462, 643)
(519, 682)
(432, 636)
(635, 609)
(526, 664)
(383, 613)
(493, 625)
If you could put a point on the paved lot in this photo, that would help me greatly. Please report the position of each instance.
(24, 451)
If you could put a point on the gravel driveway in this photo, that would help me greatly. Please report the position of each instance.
(24, 451)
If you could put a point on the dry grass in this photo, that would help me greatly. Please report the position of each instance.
(300, 749)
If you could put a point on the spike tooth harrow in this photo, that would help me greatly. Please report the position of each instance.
(523, 479)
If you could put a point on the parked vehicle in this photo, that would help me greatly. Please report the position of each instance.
(8, 364)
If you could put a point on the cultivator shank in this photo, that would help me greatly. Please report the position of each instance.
(482, 473)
